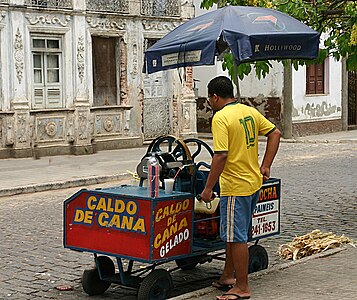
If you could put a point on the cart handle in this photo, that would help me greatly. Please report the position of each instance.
(208, 204)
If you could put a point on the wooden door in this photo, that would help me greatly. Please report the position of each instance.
(352, 98)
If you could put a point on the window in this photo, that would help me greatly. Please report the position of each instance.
(160, 7)
(47, 72)
(315, 79)
(105, 76)
(49, 3)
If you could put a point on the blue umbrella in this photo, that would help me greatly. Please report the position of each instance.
(251, 33)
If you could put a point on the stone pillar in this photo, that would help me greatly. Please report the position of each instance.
(187, 111)
(344, 96)
(83, 123)
(6, 131)
(19, 102)
(287, 102)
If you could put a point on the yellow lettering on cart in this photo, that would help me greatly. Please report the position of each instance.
(158, 216)
(101, 219)
(115, 221)
(166, 235)
(88, 217)
(131, 208)
(119, 206)
(140, 225)
(185, 204)
(127, 223)
(157, 241)
(79, 216)
(166, 212)
(109, 207)
(91, 205)
(102, 204)
(113, 213)
(183, 223)
(173, 229)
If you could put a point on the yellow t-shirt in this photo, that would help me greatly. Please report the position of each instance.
(235, 130)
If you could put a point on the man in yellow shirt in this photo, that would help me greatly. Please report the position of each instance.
(235, 129)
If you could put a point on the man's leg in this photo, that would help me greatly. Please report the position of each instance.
(228, 272)
(240, 255)
(227, 277)
(240, 259)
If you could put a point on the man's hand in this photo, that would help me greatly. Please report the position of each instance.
(207, 195)
(265, 172)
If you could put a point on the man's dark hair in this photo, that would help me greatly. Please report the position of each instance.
(221, 86)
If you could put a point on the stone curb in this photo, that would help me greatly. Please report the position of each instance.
(300, 140)
(32, 188)
(208, 290)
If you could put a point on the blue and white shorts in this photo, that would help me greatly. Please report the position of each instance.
(236, 217)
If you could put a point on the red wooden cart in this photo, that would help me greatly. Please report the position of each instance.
(123, 223)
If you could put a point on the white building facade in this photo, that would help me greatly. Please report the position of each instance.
(71, 78)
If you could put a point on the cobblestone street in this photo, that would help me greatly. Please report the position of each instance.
(319, 191)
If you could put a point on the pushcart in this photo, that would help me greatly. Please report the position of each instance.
(122, 223)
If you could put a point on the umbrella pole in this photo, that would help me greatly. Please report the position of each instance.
(236, 80)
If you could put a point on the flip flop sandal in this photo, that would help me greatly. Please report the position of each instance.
(232, 294)
(221, 286)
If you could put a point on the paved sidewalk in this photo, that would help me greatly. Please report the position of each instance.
(328, 275)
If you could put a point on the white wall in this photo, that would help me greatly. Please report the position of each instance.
(270, 86)
(318, 107)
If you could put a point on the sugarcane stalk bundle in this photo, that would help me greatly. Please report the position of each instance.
(312, 243)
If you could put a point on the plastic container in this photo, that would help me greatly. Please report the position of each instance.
(153, 176)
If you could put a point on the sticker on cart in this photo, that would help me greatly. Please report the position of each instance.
(266, 216)
(173, 228)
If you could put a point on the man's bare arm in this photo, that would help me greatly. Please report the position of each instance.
(271, 149)
(217, 166)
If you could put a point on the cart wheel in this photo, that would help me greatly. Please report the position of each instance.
(197, 144)
(106, 265)
(188, 263)
(91, 282)
(156, 286)
(258, 258)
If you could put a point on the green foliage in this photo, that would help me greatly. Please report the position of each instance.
(340, 28)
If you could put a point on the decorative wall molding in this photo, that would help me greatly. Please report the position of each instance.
(48, 20)
(19, 55)
(159, 26)
(80, 57)
(106, 23)
(10, 131)
(186, 117)
(82, 125)
(123, 74)
(21, 126)
(70, 129)
(156, 117)
(108, 124)
(2, 16)
(134, 71)
(50, 128)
